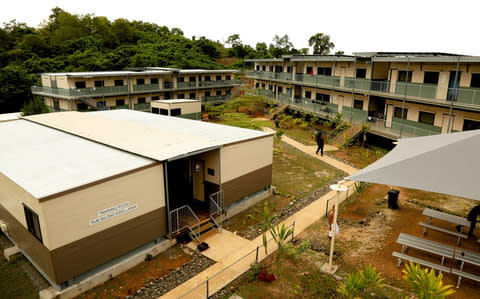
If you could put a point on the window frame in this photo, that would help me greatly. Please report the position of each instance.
(30, 223)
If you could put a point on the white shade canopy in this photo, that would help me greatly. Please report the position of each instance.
(446, 163)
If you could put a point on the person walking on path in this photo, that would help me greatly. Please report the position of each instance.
(472, 217)
(320, 143)
(331, 227)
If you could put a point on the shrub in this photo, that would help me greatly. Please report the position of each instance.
(361, 283)
(148, 257)
(426, 284)
(254, 270)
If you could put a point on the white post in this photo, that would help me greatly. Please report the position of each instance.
(330, 268)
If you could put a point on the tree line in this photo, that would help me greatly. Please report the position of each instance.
(68, 42)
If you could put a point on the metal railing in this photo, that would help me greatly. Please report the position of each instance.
(431, 92)
(407, 128)
(217, 83)
(183, 218)
(142, 106)
(254, 254)
(119, 107)
(80, 92)
(214, 99)
(186, 84)
(146, 87)
(216, 208)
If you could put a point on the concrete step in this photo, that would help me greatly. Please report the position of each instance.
(12, 253)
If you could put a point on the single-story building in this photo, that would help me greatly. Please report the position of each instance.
(78, 190)
(185, 108)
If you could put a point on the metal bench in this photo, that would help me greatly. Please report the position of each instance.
(425, 263)
(406, 240)
(466, 256)
(461, 274)
(444, 230)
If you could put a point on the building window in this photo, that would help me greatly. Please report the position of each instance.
(181, 79)
(155, 110)
(155, 98)
(309, 70)
(358, 104)
(211, 171)
(218, 78)
(279, 69)
(192, 79)
(141, 100)
(308, 94)
(326, 71)
(402, 76)
(207, 93)
(80, 84)
(82, 107)
(118, 82)
(426, 118)
(264, 68)
(430, 78)
(263, 85)
(257, 67)
(257, 85)
(163, 111)
(361, 73)
(322, 97)
(207, 78)
(475, 80)
(280, 89)
(120, 102)
(140, 81)
(56, 105)
(228, 92)
(270, 68)
(192, 95)
(176, 111)
(153, 80)
(99, 83)
(181, 96)
(228, 77)
(469, 125)
(218, 93)
(33, 224)
(397, 112)
(289, 69)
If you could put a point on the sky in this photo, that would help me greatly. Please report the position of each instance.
(353, 26)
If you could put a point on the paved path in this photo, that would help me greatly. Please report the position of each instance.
(228, 249)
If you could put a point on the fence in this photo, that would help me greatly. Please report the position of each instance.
(253, 254)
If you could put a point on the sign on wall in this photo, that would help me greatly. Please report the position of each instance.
(114, 211)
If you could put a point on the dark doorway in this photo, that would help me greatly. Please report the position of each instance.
(180, 190)
(376, 107)
(453, 86)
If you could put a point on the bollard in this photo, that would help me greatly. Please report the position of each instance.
(293, 230)
(256, 255)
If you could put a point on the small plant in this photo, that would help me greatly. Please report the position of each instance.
(148, 257)
(279, 133)
(297, 291)
(266, 223)
(425, 283)
(280, 236)
(304, 246)
(359, 187)
(365, 128)
(264, 275)
(254, 270)
(361, 282)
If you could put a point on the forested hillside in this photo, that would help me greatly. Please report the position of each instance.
(70, 42)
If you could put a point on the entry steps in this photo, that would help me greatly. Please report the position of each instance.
(204, 226)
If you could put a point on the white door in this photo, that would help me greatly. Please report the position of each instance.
(445, 129)
(389, 116)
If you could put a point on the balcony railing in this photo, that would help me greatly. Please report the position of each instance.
(142, 106)
(186, 84)
(146, 87)
(80, 92)
(430, 92)
(119, 107)
(218, 83)
(214, 99)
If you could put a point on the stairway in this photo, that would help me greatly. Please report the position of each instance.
(353, 132)
(92, 104)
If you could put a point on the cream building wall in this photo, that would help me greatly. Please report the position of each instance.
(67, 217)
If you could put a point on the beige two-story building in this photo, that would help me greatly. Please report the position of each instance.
(133, 89)
(398, 94)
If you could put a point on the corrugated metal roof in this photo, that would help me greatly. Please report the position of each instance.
(150, 135)
(44, 161)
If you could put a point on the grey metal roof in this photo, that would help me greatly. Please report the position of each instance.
(149, 135)
(45, 161)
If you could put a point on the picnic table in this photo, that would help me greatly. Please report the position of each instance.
(443, 250)
(430, 213)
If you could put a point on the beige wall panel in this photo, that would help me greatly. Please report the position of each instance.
(46, 80)
(64, 104)
(63, 82)
(211, 161)
(241, 158)
(68, 216)
(12, 198)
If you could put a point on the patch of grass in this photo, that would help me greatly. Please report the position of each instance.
(296, 173)
(14, 282)
(302, 135)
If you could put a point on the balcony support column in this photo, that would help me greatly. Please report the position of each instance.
(404, 98)
(455, 94)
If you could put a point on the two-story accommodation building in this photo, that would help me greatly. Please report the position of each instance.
(398, 94)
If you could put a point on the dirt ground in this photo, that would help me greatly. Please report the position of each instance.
(368, 233)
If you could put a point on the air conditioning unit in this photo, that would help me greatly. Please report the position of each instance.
(4, 226)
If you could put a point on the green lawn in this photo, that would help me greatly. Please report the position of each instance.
(296, 173)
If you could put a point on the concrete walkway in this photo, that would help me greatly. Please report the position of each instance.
(234, 254)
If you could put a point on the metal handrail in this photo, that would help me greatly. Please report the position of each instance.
(178, 217)
(216, 207)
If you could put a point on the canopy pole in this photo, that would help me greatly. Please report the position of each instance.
(330, 268)
(454, 96)
(404, 97)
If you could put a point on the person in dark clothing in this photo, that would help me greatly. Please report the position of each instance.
(320, 143)
(472, 217)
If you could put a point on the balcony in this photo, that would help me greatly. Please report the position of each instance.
(142, 107)
(146, 87)
(119, 107)
(79, 92)
(212, 99)
(218, 83)
(186, 84)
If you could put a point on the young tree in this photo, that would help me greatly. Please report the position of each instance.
(321, 43)
(35, 106)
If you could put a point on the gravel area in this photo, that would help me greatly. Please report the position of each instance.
(160, 286)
